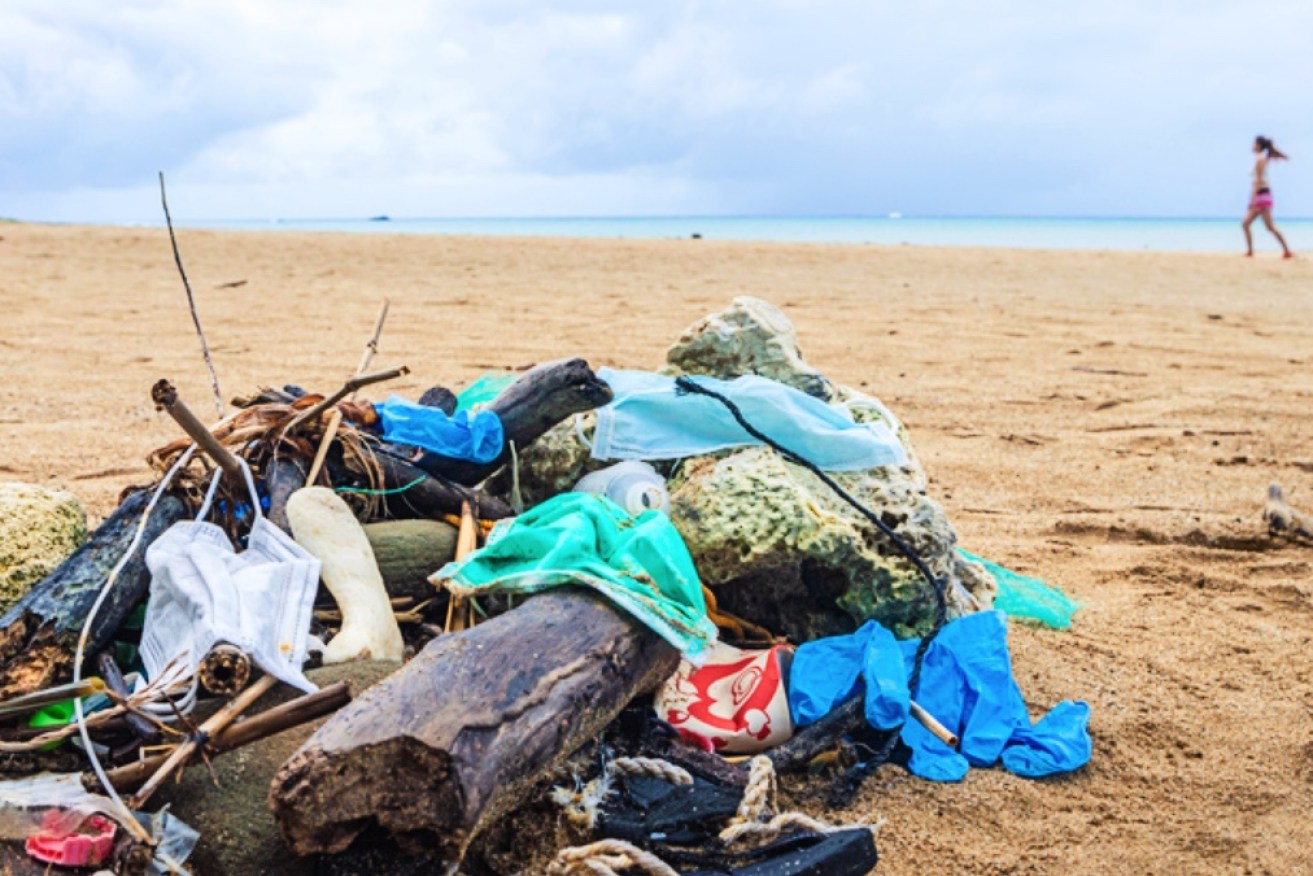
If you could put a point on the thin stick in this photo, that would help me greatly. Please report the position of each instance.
(931, 723)
(210, 727)
(330, 432)
(372, 346)
(290, 714)
(113, 676)
(32, 702)
(353, 384)
(165, 396)
(191, 303)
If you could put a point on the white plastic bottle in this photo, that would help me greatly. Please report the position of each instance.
(633, 485)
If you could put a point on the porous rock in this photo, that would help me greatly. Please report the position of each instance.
(781, 549)
(778, 546)
(39, 528)
(748, 337)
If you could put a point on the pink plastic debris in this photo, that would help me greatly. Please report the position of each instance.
(88, 846)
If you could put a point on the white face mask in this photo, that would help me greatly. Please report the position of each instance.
(203, 593)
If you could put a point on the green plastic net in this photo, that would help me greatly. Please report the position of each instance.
(1026, 598)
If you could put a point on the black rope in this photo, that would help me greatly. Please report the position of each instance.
(856, 774)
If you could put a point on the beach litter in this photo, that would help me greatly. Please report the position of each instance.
(559, 613)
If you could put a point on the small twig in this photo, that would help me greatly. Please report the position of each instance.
(372, 346)
(326, 441)
(279, 718)
(165, 396)
(191, 303)
(218, 721)
(1089, 369)
(352, 385)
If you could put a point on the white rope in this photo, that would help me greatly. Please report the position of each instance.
(758, 792)
(607, 858)
(125, 815)
(653, 767)
(751, 819)
(581, 806)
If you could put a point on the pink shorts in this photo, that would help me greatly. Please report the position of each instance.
(1261, 201)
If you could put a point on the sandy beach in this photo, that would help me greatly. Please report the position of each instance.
(1106, 421)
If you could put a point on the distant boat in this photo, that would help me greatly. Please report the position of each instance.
(895, 215)
(380, 218)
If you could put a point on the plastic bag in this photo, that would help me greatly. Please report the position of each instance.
(639, 563)
(483, 391)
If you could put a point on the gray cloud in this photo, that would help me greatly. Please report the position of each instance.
(476, 108)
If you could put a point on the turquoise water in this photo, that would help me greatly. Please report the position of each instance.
(1186, 235)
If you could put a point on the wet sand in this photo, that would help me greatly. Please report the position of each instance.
(1106, 421)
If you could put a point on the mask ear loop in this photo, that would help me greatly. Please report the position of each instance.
(250, 486)
(209, 494)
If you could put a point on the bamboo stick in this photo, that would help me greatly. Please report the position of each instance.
(353, 384)
(225, 670)
(467, 539)
(929, 722)
(330, 432)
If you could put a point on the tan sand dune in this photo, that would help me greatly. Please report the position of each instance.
(1106, 421)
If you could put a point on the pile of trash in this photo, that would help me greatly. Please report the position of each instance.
(565, 622)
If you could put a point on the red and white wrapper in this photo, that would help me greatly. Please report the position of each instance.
(737, 702)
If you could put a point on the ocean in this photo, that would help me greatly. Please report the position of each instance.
(1180, 235)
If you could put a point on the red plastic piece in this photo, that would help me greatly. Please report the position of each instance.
(89, 846)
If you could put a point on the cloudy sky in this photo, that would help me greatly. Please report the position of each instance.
(350, 108)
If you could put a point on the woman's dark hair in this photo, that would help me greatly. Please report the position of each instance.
(1269, 147)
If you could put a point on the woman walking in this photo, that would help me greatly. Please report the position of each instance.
(1260, 202)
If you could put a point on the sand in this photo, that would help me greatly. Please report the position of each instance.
(1106, 421)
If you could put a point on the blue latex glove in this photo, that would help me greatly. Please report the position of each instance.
(1059, 743)
(474, 437)
(966, 682)
(825, 674)
(883, 670)
(828, 672)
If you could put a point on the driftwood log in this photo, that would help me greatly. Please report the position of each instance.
(546, 395)
(39, 634)
(448, 744)
(407, 552)
(422, 495)
(819, 737)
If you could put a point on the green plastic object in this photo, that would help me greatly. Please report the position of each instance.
(1026, 598)
(52, 716)
(639, 563)
(483, 390)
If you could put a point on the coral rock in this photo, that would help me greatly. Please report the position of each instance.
(781, 549)
(39, 528)
(748, 337)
